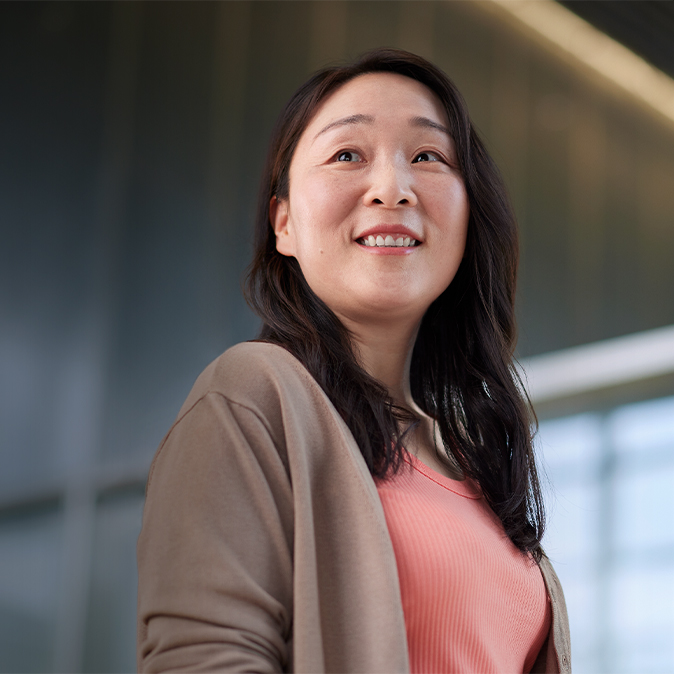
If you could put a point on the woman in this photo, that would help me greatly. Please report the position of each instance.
(357, 490)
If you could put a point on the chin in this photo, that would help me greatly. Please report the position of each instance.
(388, 308)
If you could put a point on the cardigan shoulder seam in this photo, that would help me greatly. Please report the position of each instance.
(185, 414)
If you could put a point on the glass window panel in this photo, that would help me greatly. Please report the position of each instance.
(570, 447)
(30, 571)
(26, 391)
(111, 625)
(633, 631)
(642, 620)
(644, 510)
(573, 520)
(644, 426)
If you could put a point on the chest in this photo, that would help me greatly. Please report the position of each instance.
(472, 601)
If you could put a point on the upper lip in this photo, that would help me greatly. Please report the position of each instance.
(389, 229)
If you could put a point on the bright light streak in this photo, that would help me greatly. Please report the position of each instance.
(600, 365)
(597, 50)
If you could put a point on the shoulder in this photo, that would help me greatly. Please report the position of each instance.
(241, 400)
(256, 375)
(260, 388)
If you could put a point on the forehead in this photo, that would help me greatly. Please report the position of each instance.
(382, 96)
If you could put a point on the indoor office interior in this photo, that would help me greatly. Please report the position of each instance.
(131, 146)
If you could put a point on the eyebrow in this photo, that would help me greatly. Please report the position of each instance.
(424, 122)
(418, 121)
(345, 121)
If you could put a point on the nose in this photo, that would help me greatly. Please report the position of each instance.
(391, 184)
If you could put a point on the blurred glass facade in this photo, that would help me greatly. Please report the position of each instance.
(132, 140)
(611, 533)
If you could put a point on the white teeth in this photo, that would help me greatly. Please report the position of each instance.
(388, 241)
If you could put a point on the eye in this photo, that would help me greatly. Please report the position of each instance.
(426, 156)
(348, 155)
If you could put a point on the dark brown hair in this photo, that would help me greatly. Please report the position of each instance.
(462, 372)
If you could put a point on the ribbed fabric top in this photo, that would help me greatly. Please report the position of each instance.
(472, 601)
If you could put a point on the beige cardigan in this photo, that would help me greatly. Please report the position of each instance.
(264, 546)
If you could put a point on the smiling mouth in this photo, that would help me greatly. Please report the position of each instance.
(388, 241)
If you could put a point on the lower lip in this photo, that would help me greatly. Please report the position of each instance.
(388, 250)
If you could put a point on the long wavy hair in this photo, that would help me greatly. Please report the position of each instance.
(462, 373)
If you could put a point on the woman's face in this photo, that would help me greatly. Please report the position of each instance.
(377, 211)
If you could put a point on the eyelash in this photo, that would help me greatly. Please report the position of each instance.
(430, 154)
(341, 153)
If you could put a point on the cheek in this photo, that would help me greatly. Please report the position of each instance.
(452, 211)
(320, 208)
(313, 207)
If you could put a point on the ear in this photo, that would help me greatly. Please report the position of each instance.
(280, 220)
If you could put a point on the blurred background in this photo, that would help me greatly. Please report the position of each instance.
(131, 145)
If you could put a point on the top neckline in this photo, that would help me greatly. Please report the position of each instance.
(466, 487)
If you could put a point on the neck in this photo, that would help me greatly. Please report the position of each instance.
(385, 353)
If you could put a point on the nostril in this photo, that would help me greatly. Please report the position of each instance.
(378, 201)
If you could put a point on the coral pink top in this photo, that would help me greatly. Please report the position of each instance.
(472, 601)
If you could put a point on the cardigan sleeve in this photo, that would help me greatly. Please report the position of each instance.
(215, 551)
